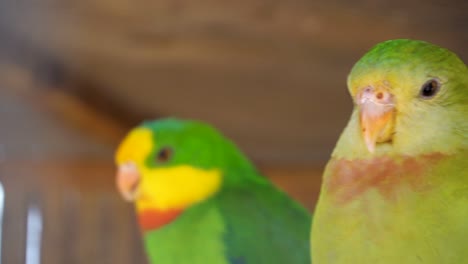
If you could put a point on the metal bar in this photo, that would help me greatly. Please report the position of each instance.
(34, 235)
(2, 206)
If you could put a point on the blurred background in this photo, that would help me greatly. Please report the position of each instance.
(76, 75)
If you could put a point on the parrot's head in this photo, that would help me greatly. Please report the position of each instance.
(410, 97)
(168, 165)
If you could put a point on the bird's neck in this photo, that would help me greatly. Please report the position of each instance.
(196, 234)
(347, 179)
(153, 219)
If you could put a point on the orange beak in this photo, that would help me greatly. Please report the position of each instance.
(376, 116)
(128, 180)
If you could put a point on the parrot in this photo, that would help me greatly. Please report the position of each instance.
(395, 189)
(199, 200)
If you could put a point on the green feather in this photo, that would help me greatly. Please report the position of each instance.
(273, 226)
(195, 237)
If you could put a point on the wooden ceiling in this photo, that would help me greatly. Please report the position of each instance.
(270, 74)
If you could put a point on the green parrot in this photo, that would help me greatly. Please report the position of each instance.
(200, 201)
(396, 187)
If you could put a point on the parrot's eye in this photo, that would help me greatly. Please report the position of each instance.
(430, 88)
(164, 154)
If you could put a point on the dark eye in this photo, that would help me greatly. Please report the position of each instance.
(430, 88)
(164, 154)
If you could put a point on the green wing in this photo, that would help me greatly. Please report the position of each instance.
(264, 225)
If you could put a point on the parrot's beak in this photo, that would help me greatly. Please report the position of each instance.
(128, 180)
(377, 114)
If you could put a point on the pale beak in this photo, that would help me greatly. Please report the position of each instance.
(128, 180)
(377, 113)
